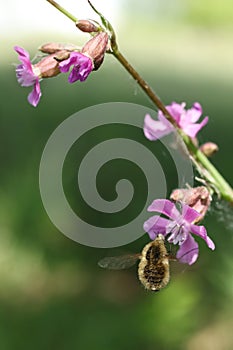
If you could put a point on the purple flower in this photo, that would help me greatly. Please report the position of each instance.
(177, 228)
(185, 119)
(82, 66)
(27, 75)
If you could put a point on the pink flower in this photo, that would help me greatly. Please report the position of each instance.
(82, 66)
(27, 75)
(177, 228)
(185, 119)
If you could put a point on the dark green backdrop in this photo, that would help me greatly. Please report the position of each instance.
(52, 293)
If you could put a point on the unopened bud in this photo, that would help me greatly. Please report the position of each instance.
(86, 26)
(197, 198)
(209, 148)
(96, 48)
(48, 67)
(55, 47)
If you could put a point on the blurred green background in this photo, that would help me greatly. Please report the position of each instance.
(52, 293)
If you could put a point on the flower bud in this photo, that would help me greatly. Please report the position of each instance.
(197, 198)
(95, 48)
(86, 26)
(209, 148)
(48, 67)
(55, 47)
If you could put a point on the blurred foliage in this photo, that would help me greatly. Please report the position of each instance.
(208, 13)
(52, 293)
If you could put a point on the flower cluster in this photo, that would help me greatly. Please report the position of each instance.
(194, 202)
(60, 59)
(177, 228)
(185, 120)
(181, 223)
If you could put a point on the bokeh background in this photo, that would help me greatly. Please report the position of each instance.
(52, 293)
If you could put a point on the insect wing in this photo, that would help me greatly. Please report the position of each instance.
(119, 262)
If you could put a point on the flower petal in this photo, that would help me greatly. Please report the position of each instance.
(192, 129)
(189, 214)
(165, 121)
(176, 110)
(24, 57)
(166, 207)
(210, 243)
(35, 94)
(74, 76)
(24, 71)
(156, 225)
(155, 129)
(197, 106)
(72, 60)
(193, 114)
(85, 69)
(82, 66)
(188, 251)
(22, 52)
(80, 72)
(25, 77)
(201, 232)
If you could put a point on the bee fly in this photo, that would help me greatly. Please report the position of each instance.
(153, 268)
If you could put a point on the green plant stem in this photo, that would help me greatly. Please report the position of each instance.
(209, 170)
(204, 166)
(62, 10)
